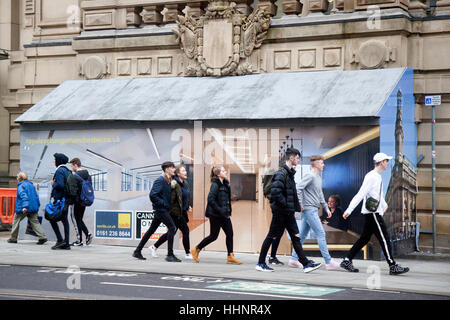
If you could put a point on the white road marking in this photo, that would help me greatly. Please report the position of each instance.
(9, 294)
(208, 290)
(375, 290)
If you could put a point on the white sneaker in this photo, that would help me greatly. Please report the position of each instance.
(188, 256)
(153, 251)
(333, 265)
(294, 264)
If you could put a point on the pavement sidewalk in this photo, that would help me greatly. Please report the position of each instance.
(428, 277)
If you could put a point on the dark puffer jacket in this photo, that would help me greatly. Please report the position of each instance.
(177, 207)
(219, 199)
(62, 173)
(283, 194)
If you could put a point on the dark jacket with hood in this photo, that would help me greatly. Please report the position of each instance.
(60, 177)
(219, 199)
(283, 194)
(180, 203)
(74, 185)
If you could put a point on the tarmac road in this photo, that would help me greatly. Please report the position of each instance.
(30, 282)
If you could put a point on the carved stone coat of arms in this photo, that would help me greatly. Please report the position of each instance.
(220, 42)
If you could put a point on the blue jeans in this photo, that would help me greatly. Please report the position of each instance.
(311, 220)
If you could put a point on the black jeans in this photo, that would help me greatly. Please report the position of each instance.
(160, 217)
(78, 212)
(180, 223)
(275, 244)
(373, 224)
(66, 226)
(280, 222)
(215, 225)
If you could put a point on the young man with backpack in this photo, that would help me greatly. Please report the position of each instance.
(60, 191)
(267, 184)
(284, 203)
(82, 196)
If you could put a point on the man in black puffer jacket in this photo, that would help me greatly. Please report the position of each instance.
(284, 203)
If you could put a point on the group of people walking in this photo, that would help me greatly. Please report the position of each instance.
(171, 200)
(66, 184)
(307, 196)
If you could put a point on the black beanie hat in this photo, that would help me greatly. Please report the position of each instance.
(60, 158)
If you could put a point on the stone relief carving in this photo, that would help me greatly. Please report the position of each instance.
(94, 67)
(373, 54)
(220, 42)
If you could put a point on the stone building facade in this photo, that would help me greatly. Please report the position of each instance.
(50, 41)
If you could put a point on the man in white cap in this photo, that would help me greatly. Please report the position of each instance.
(373, 208)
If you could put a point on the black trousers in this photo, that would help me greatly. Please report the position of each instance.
(216, 224)
(280, 222)
(78, 213)
(160, 217)
(275, 245)
(66, 226)
(373, 224)
(180, 223)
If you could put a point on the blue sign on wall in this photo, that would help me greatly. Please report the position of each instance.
(113, 224)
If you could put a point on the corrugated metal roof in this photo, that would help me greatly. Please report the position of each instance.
(320, 94)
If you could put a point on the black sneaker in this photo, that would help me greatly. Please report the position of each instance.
(12, 241)
(348, 265)
(89, 239)
(138, 255)
(41, 241)
(58, 245)
(396, 269)
(77, 244)
(172, 258)
(275, 261)
(311, 267)
(61, 246)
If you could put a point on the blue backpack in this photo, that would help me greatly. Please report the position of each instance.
(87, 191)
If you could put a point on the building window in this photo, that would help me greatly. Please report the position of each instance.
(127, 178)
(99, 181)
(138, 184)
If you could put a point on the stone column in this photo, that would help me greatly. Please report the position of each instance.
(292, 7)
(318, 5)
(172, 12)
(418, 6)
(269, 6)
(133, 17)
(243, 6)
(195, 9)
(152, 15)
(349, 5)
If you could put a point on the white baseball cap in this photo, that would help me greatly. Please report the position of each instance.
(381, 156)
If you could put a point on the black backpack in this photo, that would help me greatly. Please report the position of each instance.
(267, 182)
